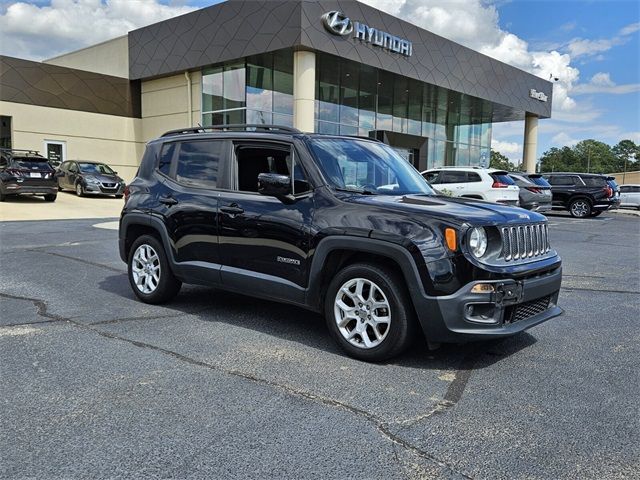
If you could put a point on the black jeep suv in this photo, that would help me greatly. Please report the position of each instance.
(338, 225)
(582, 194)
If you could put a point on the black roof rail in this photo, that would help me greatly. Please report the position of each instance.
(19, 150)
(232, 127)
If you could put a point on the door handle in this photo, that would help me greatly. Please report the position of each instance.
(232, 209)
(168, 201)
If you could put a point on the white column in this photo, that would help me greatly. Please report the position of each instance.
(529, 156)
(304, 90)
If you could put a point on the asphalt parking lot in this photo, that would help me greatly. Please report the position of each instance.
(215, 385)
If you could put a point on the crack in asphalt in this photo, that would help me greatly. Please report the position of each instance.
(453, 394)
(86, 262)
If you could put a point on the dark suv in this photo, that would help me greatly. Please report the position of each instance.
(582, 194)
(338, 225)
(26, 172)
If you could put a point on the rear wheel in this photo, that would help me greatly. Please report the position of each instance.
(3, 197)
(149, 272)
(79, 189)
(369, 312)
(50, 197)
(580, 208)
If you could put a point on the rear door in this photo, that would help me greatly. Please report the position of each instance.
(452, 182)
(191, 176)
(563, 187)
(264, 241)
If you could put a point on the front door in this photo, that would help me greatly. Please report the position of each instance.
(263, 237)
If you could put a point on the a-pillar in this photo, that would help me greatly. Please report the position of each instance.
(304, 90)
(530, 142)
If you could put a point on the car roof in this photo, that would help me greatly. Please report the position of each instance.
(576, 173)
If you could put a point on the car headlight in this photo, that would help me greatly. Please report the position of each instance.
(478, 242)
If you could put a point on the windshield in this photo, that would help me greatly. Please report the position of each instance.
(95, 168)
(366, 167)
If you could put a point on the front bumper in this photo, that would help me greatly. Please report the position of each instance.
(516, 305)
(100, 189)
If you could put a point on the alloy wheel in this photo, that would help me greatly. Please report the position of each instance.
(580, 208)
(362, 313)
(145, 268)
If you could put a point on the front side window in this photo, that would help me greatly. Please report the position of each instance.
(365, 166)
(251, 161)
(199, 162)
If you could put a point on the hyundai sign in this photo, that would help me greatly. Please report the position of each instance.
(338, 23)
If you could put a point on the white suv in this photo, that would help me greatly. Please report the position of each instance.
(474, 182)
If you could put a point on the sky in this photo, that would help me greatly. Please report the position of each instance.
(591, 46)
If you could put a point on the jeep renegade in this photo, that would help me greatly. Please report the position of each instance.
(339, 225)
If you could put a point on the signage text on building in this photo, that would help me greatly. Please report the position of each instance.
(339, 24)
(533, 93)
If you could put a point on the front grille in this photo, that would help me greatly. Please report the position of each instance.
(109, 185)
(524, 241)
(525, 310)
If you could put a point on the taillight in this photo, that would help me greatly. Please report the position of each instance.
(534, 189)
(497, 184)
(609, 191)
(126, 192)
(14, 172)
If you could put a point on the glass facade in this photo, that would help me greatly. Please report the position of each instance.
(257, 89)
(355, 99)
(432, 126)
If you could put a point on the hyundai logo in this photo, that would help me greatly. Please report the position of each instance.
(337, 23)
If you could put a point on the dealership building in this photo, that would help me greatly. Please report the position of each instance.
(335, 67)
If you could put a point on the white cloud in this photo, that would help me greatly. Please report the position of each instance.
(38, 32)
(563, 140)
(579, 47)
(633, 136)
(601, 83)
(506, 148)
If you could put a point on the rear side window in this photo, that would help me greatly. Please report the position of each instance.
(453, 177)
(503, 178)
(539, 181)
(166, 155)
(473, 177)
(199, 162)
(594, 181)
(556, 180)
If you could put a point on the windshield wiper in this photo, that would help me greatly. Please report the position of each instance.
(355, 190)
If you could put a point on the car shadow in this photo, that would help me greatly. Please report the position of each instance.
(293, 323)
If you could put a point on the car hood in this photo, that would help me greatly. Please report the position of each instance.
(104, 178)
(460, 210)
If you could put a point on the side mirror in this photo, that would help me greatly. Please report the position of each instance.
(274, 185)
(115, 173)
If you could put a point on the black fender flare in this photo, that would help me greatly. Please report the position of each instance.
(146, 220)
(400, 255)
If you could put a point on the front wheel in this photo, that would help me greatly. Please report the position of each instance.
(369, 312)
(50, 197)
(79, 189)
(149, 273)
(580, 208)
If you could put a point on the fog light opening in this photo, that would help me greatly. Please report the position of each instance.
(483, 288)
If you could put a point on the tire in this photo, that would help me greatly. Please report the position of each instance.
(119, 196)
(59, 188)
(3, 197)
(50, 198)
(79, 189)
(349, 327)
(580, 208)
(151, 286)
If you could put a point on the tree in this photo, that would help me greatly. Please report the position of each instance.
(595, 157)
(501, 162)
(627, 154)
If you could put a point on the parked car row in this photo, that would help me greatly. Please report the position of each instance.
(582, 194)
(28, 172)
